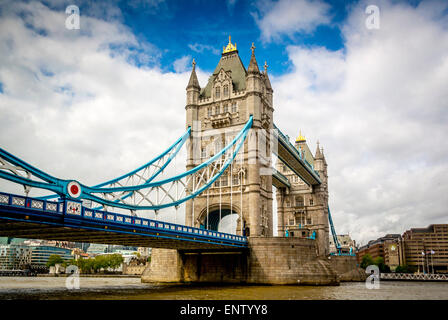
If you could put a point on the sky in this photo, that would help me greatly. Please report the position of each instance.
(93, 103)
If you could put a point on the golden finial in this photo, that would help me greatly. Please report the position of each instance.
(230, 47)
(300, 138)
(265, 66)
(253, 48)
(193, 63)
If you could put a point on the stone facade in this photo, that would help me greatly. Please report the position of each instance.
(302, 209)
(347, 268)
(216, 114)
(268, 260)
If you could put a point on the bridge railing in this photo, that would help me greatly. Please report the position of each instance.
(74, 209)
(31, 203)
(414, 276)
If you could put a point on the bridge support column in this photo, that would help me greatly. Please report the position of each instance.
(267, 260)
(165, 267)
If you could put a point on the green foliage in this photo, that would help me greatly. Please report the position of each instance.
(403, 269)
(366, 261)
(101, 262)
(379, 261)
(149, 259)
(54, 259)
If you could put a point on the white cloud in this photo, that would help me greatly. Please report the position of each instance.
(182, 64)
(380, 111)
(275, 18)
(74, 103)
(197, 47)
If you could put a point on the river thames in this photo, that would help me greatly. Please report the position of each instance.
(132, 289)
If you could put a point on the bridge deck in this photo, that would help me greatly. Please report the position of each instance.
(279, 180)
(289, 155)
(23, 217)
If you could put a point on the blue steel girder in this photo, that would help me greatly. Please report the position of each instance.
(68, 220)
(333, 232)
(147, 172)
(190, 183)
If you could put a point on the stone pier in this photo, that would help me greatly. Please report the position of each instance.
(267, 260)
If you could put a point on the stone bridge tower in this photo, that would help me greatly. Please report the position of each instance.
(216, 114)
(302, 209)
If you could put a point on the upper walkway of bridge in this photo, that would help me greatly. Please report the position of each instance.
(291, 157)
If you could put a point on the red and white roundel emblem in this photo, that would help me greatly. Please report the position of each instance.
(74, 189)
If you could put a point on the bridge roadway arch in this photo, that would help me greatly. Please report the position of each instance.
(210, 218)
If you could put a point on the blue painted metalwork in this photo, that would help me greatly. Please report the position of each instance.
(60, 186)
(242, 134)
(26, 206)
(335, 237)
(178, 145)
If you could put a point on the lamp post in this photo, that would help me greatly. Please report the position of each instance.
(423, 262)
(432, 261)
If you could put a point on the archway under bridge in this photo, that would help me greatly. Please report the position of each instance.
(223, 219)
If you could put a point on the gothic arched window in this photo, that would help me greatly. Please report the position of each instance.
(299, 201)
(217, 92)
(226, 91)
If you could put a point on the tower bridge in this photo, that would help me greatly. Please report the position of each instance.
(230, 138)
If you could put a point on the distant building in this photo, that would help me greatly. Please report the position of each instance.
(14, 256)
(426, 249)
(40, 254)
(347, 244)
(9, 240)
(95, 249)
(385, 247)
(144, 252)
(20, 256)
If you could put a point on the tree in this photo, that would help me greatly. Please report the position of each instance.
(403, 269)
(366, 261)
(379, 261)
(54, 259)
(115, 261)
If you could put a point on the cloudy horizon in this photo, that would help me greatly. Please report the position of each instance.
(96, 102)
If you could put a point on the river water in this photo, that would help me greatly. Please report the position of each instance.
(131, 288)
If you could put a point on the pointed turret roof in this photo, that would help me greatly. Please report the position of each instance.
(318, 154)
(230, 62)
(253, 65)
(266, 77)
(194, 83)
(323, 155)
